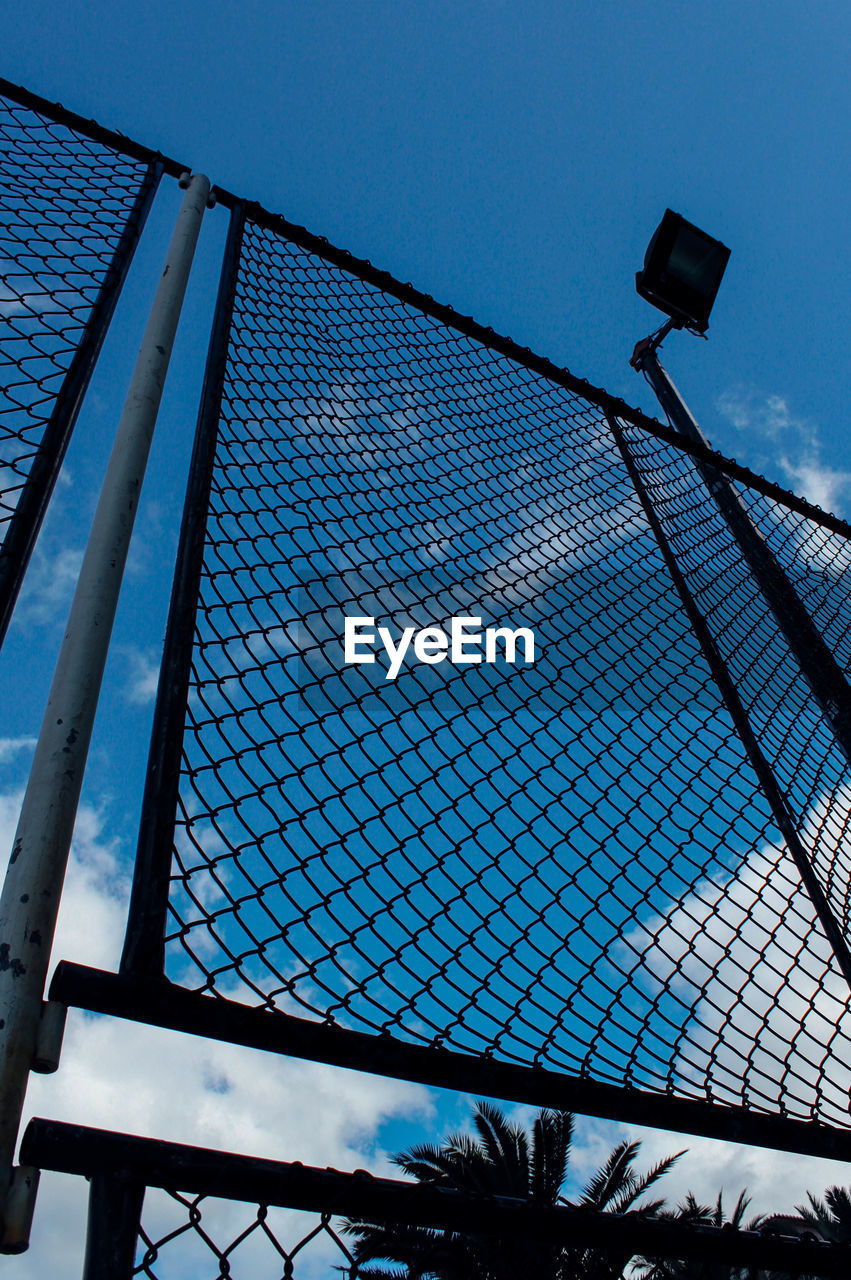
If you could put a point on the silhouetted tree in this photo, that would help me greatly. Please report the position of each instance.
(830, 1218)
(503, 1160)
(690, 1211)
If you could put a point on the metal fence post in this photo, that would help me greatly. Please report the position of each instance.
(31, 893)
(112, 1230)
(144, 945)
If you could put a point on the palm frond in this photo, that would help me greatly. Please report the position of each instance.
(613, 1179)
(501, 1159)
(460, 1164)
(635, 1185)
(831, 1218)
(552, 1137)
(506, 1148)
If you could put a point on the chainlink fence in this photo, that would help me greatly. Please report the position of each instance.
(213, 1239)
(71, 209)
(569, 806)
(567, 862)
(794, 734)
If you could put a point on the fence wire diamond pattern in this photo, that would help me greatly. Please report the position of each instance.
(69, 209)
(573, 863)
(216, 1240)
(567, 863)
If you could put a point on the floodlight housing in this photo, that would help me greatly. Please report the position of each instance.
(682, 270)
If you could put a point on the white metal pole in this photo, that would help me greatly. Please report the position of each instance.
(31, 893)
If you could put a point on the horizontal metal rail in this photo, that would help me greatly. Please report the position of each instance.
(91, 128)
(76, 1149)
(160, 1003)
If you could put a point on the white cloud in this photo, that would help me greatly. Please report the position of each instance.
(94, 896)
(776, 1181)
(770, 419)
(824, 486)
(49, 585)
(146, 1080)
(771, 1012)
(139, 1079)
(767, 416)
(28, 298)
(144, 672)
(751, 960)
(12, 747)
(11, 303)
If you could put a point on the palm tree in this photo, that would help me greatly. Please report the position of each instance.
(690, 1211)
(614, 1188)
(502, 1160)
(830, 1218)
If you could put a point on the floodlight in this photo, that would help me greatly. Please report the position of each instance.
(682, 270)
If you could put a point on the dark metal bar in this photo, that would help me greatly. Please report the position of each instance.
(730, 694)
(144, 946)
(701, 452)
(25, 522)
(90, 128)
(115, 1211)
(161, 1004)
(820, 669)
(78, 1150)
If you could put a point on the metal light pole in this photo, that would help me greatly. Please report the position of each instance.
(821, 670)
(682, 270)
(30, 1032)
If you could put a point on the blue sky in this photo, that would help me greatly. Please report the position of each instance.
(510, 160)
(513, 160)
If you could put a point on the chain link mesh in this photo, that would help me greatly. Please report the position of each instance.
(560, 860)
(795, 735)
(818, 561)
(565, 862)
(210, 1239)
(65, 201)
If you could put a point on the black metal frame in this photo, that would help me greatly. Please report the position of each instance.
(142, 993)
(144, 947)
(144, 1162)
(112, 1228)
(161, 1003)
